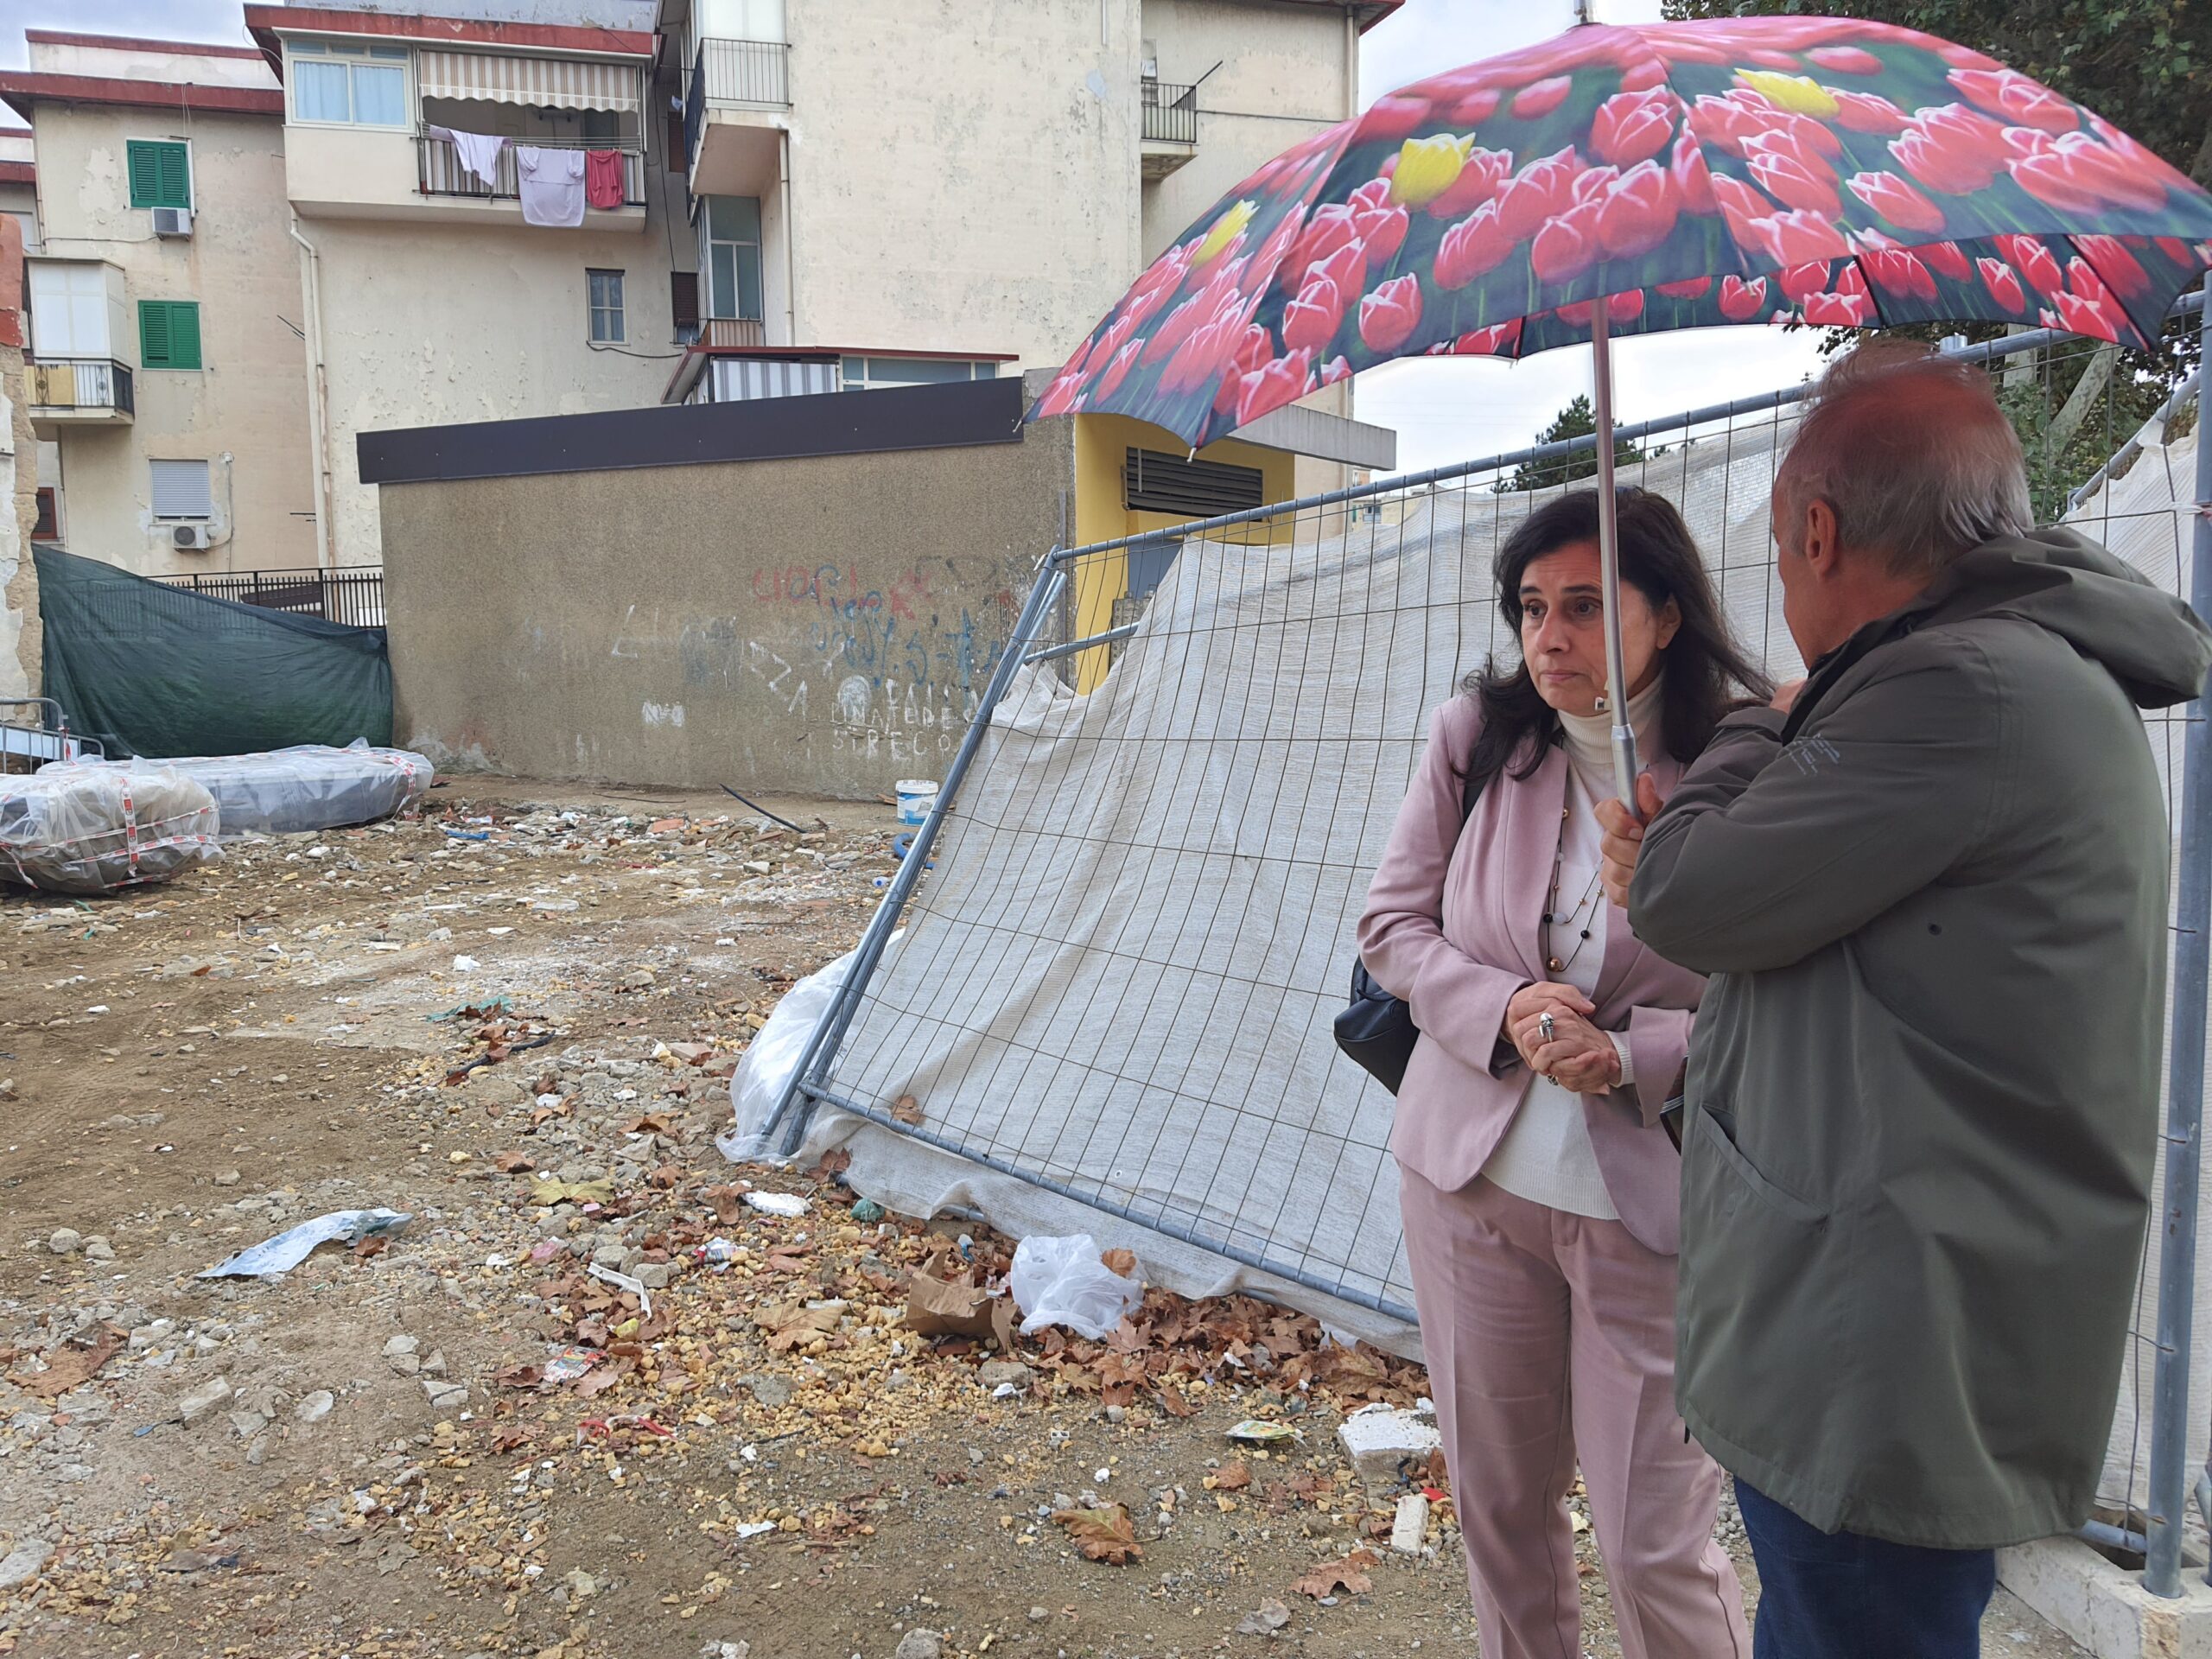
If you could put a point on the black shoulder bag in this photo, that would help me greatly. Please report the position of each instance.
(1376, 1029)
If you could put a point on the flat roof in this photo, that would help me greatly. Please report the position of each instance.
(20, 89)
(18, 173)
(196, 49)
(267, 23)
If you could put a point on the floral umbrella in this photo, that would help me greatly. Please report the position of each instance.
(1764, 169)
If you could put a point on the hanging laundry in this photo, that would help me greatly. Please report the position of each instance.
(603, 178)
(478, 152)
(552, 183)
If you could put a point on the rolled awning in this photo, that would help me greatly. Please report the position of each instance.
(552, 83)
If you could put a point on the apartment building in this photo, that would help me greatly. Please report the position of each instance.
(165, 386)
(360, 221)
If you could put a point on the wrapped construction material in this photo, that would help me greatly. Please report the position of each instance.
(82, 829)
(312, 786)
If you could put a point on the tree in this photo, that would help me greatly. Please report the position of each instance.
(2146, 66)
(1577, 419)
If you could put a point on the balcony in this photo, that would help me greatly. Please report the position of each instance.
(1170, 129)
(733, 116)
(732, 334)
(439, 171)
(80, 391)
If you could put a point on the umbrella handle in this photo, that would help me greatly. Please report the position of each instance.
(1609, 568)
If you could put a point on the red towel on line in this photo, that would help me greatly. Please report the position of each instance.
(603, 178)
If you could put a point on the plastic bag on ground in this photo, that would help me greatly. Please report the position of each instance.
(71, 828)
(295, 1244)
(765, 1068)
(1062, 1281)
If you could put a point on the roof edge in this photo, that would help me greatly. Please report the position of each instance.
(121, 42)
(22, 89)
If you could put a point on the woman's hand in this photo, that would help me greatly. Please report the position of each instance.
(1524, 1014)
(1579, 1057)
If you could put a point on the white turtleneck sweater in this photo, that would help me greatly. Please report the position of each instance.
(1545, 1155)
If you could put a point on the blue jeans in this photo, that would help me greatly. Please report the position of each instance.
(1844, 1596)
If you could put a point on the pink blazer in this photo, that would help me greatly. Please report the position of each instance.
(1452, 925)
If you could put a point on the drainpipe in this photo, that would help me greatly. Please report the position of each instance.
(791, 255)
(318, 391)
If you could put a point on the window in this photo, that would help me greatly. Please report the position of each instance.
(351, 86)
(606, 303)
(866, 373)
(180, 490)
(1153, 481)
(732, 236)
(168, 333)
(69, 310)
(160, 173)
(48, 527)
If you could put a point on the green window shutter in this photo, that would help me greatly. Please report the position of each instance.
(168, 333)
(160, 173)
(184, 333)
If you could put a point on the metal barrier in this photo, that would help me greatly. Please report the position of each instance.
(1144, 894)
(353, 594)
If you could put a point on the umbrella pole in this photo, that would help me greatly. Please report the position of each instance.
(1609, 568)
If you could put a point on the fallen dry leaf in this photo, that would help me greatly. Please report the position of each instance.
(519, 1376)
(1122, 1261)
(74, 1362)
(1233, 1477)
(1332, 1576)
(513, 1163)
(907, 1111)
(791, 1327)
(1102, 1534)
(1271, 1616)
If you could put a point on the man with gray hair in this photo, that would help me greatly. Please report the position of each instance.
(1931, 882)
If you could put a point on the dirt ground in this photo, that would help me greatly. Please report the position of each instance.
(367, 1457)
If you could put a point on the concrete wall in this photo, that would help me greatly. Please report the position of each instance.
(969, 183)
(820, 625)
(426, 324)
(20, 638)
(1287, 71)
(248, 402)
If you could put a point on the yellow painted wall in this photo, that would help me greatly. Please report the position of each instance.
(1102, 443)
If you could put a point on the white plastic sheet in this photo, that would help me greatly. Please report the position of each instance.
(311, 787)
(70, 829)
(295, 1244)
(765, 1069)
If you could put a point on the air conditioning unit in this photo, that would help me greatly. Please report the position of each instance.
(172, 221)
(189, 537)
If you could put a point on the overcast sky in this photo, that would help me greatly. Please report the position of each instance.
(1443, 411)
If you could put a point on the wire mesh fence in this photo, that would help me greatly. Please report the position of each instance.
(1113, 997)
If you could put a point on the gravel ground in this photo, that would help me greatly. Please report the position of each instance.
(512, 1018)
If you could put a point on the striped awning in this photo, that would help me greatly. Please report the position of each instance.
(554, 83)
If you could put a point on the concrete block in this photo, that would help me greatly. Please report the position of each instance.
(2105, 1608)
(1384, 1444)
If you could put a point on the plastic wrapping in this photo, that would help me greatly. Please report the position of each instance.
(767, 1066)
(1064, 1281)
(312, 786)
(79, 828)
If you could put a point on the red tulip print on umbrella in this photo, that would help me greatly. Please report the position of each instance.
(1828, 170)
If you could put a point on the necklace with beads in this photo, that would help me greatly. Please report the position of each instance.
(1576, 919)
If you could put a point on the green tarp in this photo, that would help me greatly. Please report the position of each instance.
(152, 670)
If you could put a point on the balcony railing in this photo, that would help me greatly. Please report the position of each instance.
(351, 593)
(1171, 113)
(87, 384)
(439, 171)
(724, 333)
(744, 72)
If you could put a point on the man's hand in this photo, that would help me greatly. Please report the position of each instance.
(1623, 838)
(1524, 1015)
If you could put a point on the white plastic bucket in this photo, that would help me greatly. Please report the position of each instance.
(916, 797)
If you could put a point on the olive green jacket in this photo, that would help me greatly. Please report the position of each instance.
(1923, 1085)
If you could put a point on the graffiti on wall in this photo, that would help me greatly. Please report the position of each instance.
(893, 668)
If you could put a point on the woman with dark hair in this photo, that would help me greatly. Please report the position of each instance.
(1538, 1184)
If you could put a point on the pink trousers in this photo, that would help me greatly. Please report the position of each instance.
(1550, 1339)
